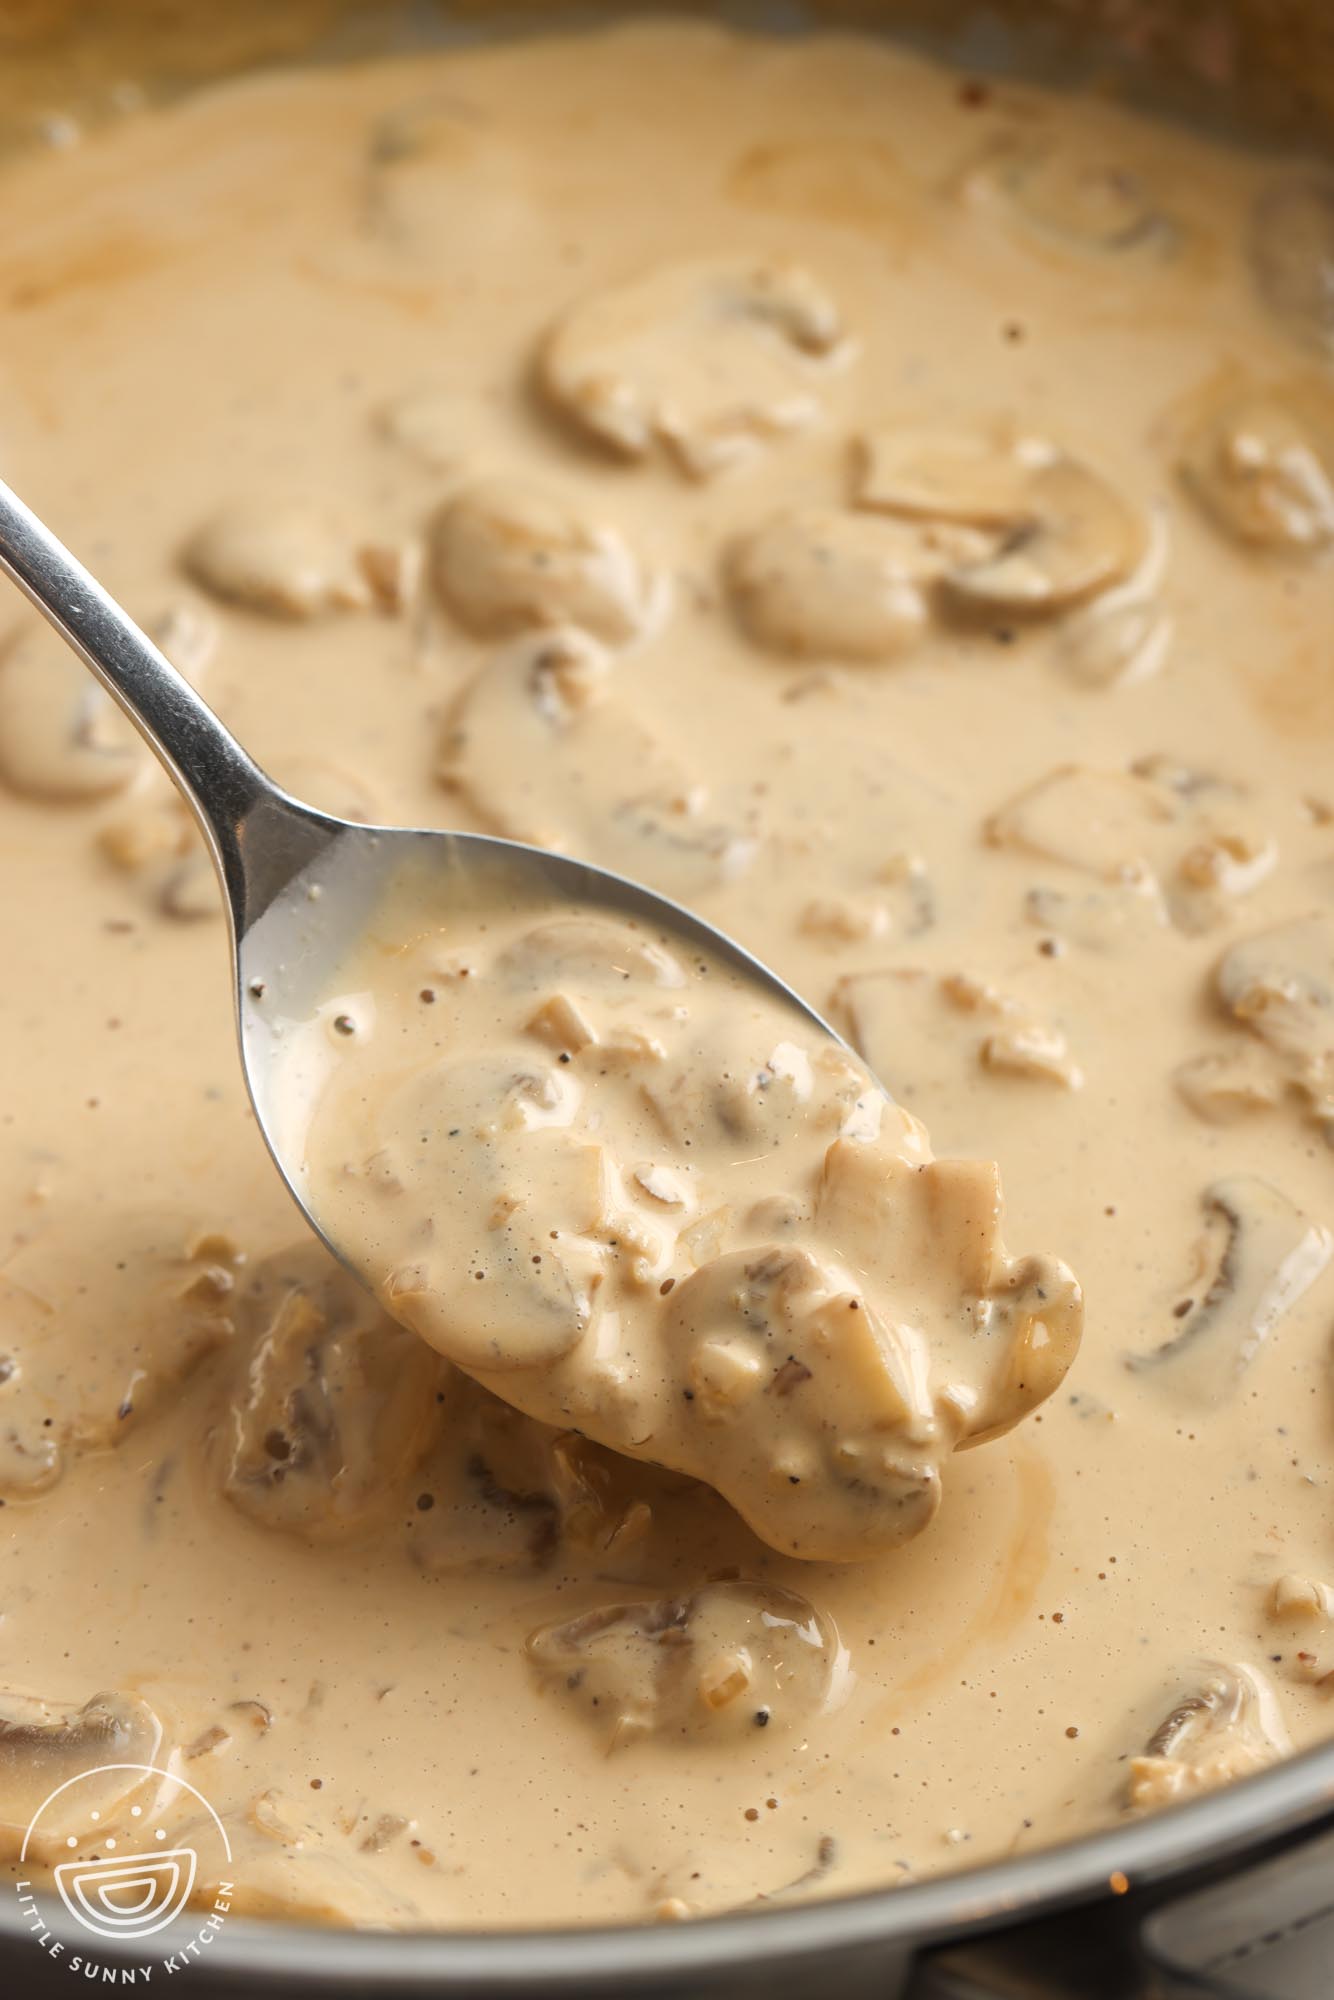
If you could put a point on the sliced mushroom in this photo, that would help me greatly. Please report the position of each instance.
(816, 1414)
(1224, 1087)
(1280, 984)
(504, 1492)
(512, 554)
(1301, 1600)
(475, 1518)
(710, 361)
(1122, 637)
(962, 479)
(589, 952)
(43, 1744)
(1066, 197)
(901, 1018)
(735, 1085)
(512, 1286)
(545, 750)
(890, 1017)
(843, 920)
(1223, 1730)
(543, 706)
(1000, 1332)
(155, 840)
(604, 1502)
(1031, 1051)
(1103, 823)
(816, 582)
(1116, 644)
(333, 1406)
(1077, 536)
(1291, 246)
(286, 558)
(714, 1666)
(1231, 855)
(846, 1457)
(1262, 1254)
(62, 738)
(837, 1414)
(1190, 851)
(1043, 531)
(95, 1349)
(1260, 464)
(906, 877)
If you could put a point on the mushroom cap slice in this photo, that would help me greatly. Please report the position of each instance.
(1280, 984)
(1225, 1728)
(284, 557)
(1047, 530)
(511, 1285)
(1258, 461)
(1001, 1332)
(711, 1666)
(961, 477)
(1188, 847)
(709, 360)
(588, 951)
(333, 1406)
(833, 1445)
(546, 750)
(1103, 823)
(509, 554)
(816, 582)
(1067, 197)
(1224, 1086)
(738, 1083)
(1077, 536)
(1267, 1253)
(508, 1492)
(62, 737)
(43, 1744)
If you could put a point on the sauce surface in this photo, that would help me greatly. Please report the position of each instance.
(908, 546)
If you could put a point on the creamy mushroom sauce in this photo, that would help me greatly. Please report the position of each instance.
(909, 545)
(638, 1197)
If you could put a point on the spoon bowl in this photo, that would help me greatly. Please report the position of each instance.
(300, 886)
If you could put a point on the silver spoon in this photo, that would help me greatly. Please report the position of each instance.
(300, 886)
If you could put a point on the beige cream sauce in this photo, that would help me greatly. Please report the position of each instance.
(337, 285)
(641, 1198)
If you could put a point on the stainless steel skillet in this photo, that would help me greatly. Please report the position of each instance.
(1231, 1895)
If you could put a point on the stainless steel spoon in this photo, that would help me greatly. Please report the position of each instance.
(299, 886)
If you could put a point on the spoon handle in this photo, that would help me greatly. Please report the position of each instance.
(222, 785)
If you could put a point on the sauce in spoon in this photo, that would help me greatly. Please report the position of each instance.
(638, 1196)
